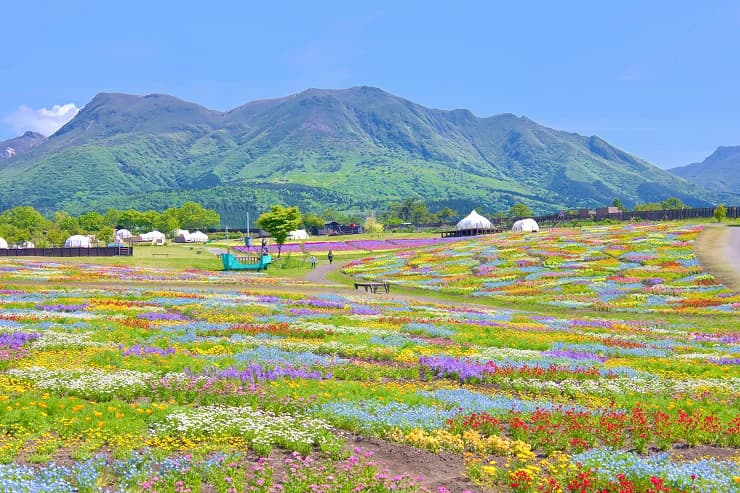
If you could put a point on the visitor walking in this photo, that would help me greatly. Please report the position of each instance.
(331, 256)
(313, 261)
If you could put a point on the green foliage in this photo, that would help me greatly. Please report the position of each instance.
(720, 212)
(158, 153)
(312, 222)
(23, 223)
(618, 204)
(520, 210)
(371, 225)
(280, 221)
(672, 203)
(192, 215)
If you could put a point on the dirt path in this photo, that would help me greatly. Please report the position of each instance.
(718, 251)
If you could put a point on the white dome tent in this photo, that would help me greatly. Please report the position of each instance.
(473, 221)
(3, 243)
(154, 237)
(122, 235)
(78, 241)
(196, 237)
(24, 244)
(528, 225)
(298, 234)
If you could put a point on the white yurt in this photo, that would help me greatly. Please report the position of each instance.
(473, 221)
(182, 232)
(155, 237)
(78, 241)
(25, 244)
(122, 235)
(526, 226)
(197, 237)
(3, 243)
(298, 234)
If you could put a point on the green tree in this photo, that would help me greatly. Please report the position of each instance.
(280, 221)
(446, 215)
(649, 206)
(29, 222)
(313, 223)
(520, 210)
(194, 216)
(66, 223)
(148, 219)
(618, 204)
(91, 222)
(371, 225)
(720, 212)
(168, 221)
(672, 203)
(129, 219)
(111, 217)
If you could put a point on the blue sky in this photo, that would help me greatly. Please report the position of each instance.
(658, 79)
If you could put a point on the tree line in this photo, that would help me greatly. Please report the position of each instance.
(24, 223)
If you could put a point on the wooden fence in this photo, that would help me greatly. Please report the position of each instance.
(67, 252)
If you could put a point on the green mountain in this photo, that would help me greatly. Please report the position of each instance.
(19, 145)
(720, 171)
(353, 149)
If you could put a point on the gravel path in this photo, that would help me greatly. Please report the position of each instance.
(732, 248)
(323, 267)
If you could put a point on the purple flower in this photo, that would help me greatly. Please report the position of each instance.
(142, 351)
(162, 316)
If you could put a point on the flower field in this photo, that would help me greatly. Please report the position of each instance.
(358, 246)
(187, 381)
(636, 267)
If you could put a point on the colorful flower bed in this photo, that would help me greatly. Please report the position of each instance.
(636, 267)
(356, 245)
(152, 386)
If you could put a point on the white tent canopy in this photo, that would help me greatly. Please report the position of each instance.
(78, 241)
(182, 232)
(473, 221)
(123, 234)
(196, 237)
(298, 234)
(3, 243)
(153, 236)
(526, 225)
(24, 244)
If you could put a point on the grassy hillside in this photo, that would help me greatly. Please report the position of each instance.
(352, 149)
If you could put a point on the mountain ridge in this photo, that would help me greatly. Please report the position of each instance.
(350, 148)
(720, 170)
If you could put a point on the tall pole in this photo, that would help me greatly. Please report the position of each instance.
(249, 236)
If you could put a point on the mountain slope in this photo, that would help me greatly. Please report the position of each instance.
(19, 145)
(720, 171)
(354, 149)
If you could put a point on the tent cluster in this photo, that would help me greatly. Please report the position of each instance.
(475, 221)
(185, 236)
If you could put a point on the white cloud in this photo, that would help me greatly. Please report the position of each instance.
(43, 120)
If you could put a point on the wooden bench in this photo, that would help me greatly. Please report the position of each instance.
(160, 254)
(373, 286)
